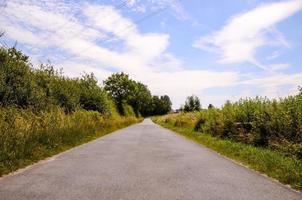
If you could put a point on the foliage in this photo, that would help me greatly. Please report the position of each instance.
(43, 112)
(120, 88)
(192, 104)
(17, 86)
(161, 105)
(92, 97)
(124, 90)
(26, 87)
(274, 124)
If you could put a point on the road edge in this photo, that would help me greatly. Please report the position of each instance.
(286, 186)
(53, 157)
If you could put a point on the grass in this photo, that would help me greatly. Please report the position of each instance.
(287, 170)
(27, 137)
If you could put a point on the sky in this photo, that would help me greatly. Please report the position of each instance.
(216, 50)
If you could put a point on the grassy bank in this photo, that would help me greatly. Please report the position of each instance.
(27, 136)
(286, 169)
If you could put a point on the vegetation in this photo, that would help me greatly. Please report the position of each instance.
(192, 104)
(273, 124)
(286, 169)
(27, 136)
(43, 112)
(261, 133)
(125, 91)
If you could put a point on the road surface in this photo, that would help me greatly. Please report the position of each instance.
(143, 161)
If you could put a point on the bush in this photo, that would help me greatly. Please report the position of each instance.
(274, 124)
(23, 86)
(17, 86)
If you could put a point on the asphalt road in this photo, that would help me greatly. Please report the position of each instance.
(143, 161)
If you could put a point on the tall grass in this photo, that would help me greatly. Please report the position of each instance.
(27, 136)
(273, 124)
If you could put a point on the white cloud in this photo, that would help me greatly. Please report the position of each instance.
(239, 39)
(88, 34)
(273, 55)
(182, 83)
(278, 67)
(272, 86)
(178, 10)
(276, 80)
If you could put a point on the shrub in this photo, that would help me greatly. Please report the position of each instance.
(275, 124)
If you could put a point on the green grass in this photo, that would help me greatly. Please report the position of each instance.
(287, 170)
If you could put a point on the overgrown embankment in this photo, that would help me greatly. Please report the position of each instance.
(26, 136)
(262, 134)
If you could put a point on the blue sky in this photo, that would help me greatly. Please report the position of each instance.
(217, 50)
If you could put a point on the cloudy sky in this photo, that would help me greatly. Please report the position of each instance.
(215, 49)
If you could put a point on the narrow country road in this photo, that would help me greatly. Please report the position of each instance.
(143, 161)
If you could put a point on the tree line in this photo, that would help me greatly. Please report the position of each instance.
(40, 88)
(127, 92)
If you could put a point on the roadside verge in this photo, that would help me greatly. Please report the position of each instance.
(287, 170)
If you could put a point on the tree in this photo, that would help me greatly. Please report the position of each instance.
(125, 91)
(141, 100)
(210, 106)
(120, 88)
(166, 104)
(192, 104)
(17, 85)
(92, 97)
(161, 105)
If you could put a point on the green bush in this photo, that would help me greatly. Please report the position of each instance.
(274, 124)
(17, 86)
(41, 88)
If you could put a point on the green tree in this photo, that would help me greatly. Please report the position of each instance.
(141, 99)
(125, 91)
(121, 88)
(192, 104)
(17, 85)
(210, 106)
(92, 97)
(161, 105)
